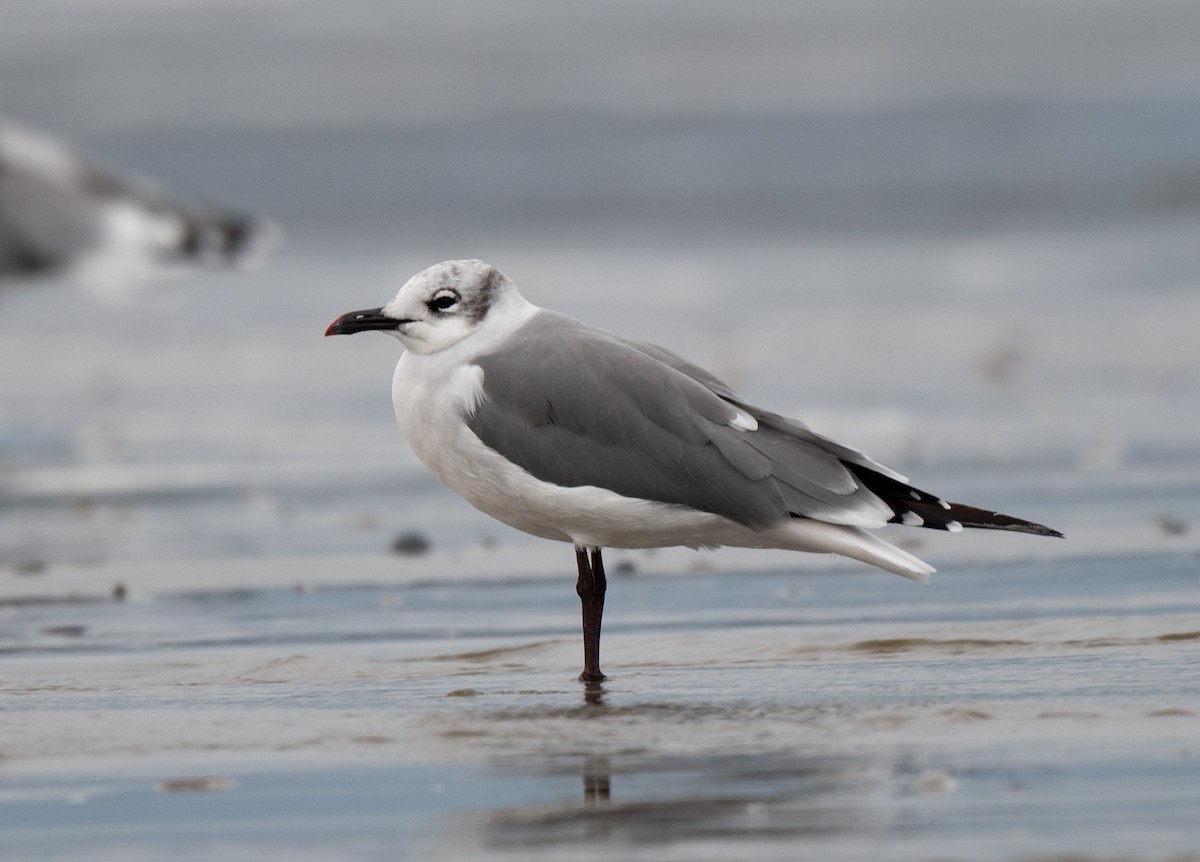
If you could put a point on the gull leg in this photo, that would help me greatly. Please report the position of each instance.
(591, 587)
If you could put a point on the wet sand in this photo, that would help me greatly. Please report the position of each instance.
(998, 714)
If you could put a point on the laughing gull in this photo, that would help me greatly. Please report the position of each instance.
(572, 433)
(58, 213)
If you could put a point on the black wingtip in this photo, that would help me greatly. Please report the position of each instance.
(981, 519)
(919, 508)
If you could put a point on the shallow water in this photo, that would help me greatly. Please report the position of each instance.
(1009, 711)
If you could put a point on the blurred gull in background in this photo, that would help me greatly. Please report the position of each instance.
(61, 214)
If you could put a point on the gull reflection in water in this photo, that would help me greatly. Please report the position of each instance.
(630, 801)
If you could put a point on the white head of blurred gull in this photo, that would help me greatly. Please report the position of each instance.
(575, 434)
(58, 213)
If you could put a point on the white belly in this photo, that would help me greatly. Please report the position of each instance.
(434, 394)
(431, 406)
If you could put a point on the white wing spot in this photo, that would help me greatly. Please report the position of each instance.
(744, 421)
(954, 527)
(912, 519)
(944, 504)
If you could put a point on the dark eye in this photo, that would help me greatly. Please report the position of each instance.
(443, 300)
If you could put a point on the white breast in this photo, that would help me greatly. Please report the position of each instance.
(433, 399)
(433, 395)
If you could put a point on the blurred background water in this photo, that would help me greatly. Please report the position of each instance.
(962, 237)
(952, 235)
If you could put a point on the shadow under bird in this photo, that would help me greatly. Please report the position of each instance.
(575, 434)
(60, 213)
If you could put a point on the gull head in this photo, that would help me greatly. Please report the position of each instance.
(436, 308)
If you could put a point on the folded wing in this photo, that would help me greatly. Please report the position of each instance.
(576, 406)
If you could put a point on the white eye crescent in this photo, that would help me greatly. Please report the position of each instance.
(444, 300)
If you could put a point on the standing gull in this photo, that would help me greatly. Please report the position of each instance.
(59, 213)
(572, 433)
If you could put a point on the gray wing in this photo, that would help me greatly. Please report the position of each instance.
(790, 427)
(42, 223)
(577, 406)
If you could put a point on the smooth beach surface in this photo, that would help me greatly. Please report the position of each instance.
(1017, 709)
(238, 619)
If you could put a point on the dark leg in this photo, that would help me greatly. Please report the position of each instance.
(591, 587)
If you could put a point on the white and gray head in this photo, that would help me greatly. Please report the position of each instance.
(441, 306)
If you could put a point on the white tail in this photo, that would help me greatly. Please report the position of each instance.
(804, 534)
